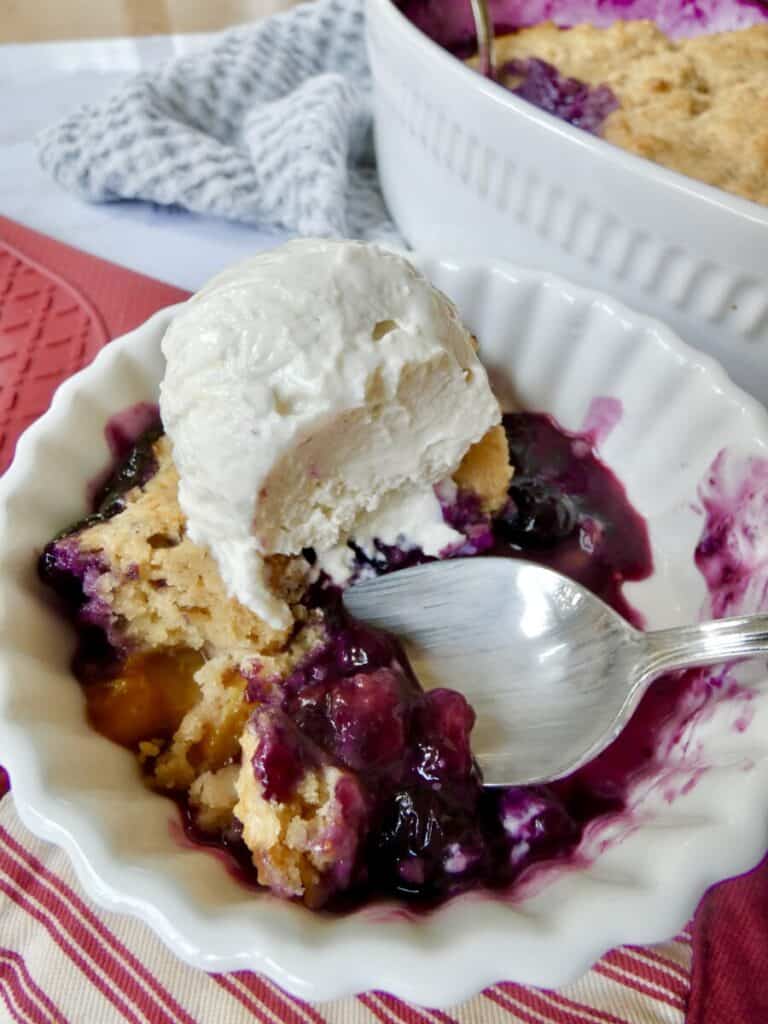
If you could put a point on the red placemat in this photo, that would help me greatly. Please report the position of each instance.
(729, 983)
(60, 961)
(58, 306)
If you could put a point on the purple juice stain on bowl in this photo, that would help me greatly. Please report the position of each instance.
(603, 416)
(229, 848)
(732, 554)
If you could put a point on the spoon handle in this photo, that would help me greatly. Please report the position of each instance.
(486, 41)
(707, 643)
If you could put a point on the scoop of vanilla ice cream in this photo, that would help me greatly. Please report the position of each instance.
(312, 394)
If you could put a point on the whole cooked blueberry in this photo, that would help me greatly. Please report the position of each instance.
(425, 842)
(442, 727)
(358, 647)
(369, 716)
(537, 514)
(361, 720)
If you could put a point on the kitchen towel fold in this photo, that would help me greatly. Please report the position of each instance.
(270, 125)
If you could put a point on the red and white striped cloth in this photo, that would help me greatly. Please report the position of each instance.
(63, 960)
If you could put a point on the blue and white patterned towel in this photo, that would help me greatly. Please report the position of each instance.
(271, 125)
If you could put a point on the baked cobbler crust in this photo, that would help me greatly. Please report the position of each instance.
(167, 591)
(698, 106)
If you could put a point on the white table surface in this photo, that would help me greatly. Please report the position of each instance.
(40, 82)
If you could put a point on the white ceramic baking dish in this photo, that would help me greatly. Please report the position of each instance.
(466, 165)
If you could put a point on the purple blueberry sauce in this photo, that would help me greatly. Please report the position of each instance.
(568, 511)
(603, 416)
(359, 701)
(283, 753)
(124, 429)
(428, 829)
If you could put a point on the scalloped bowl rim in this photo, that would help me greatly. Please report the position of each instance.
(437, 959)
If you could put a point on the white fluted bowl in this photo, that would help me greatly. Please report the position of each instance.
(550, 346)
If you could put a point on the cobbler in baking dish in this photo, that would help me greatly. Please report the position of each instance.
(698, 106)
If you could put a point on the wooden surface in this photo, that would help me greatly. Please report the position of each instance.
(24, 21)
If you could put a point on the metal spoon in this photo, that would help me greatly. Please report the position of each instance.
(552, 672)
(486, 40)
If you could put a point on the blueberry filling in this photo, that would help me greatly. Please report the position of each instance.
(431, 829)
(570, 99)
(283, 753)
(359, 702)
(434, 830)
(568, 511)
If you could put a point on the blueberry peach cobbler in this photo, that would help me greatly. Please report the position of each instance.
(348, 429)
(689, 104)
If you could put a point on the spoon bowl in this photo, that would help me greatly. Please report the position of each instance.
(552, 672)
